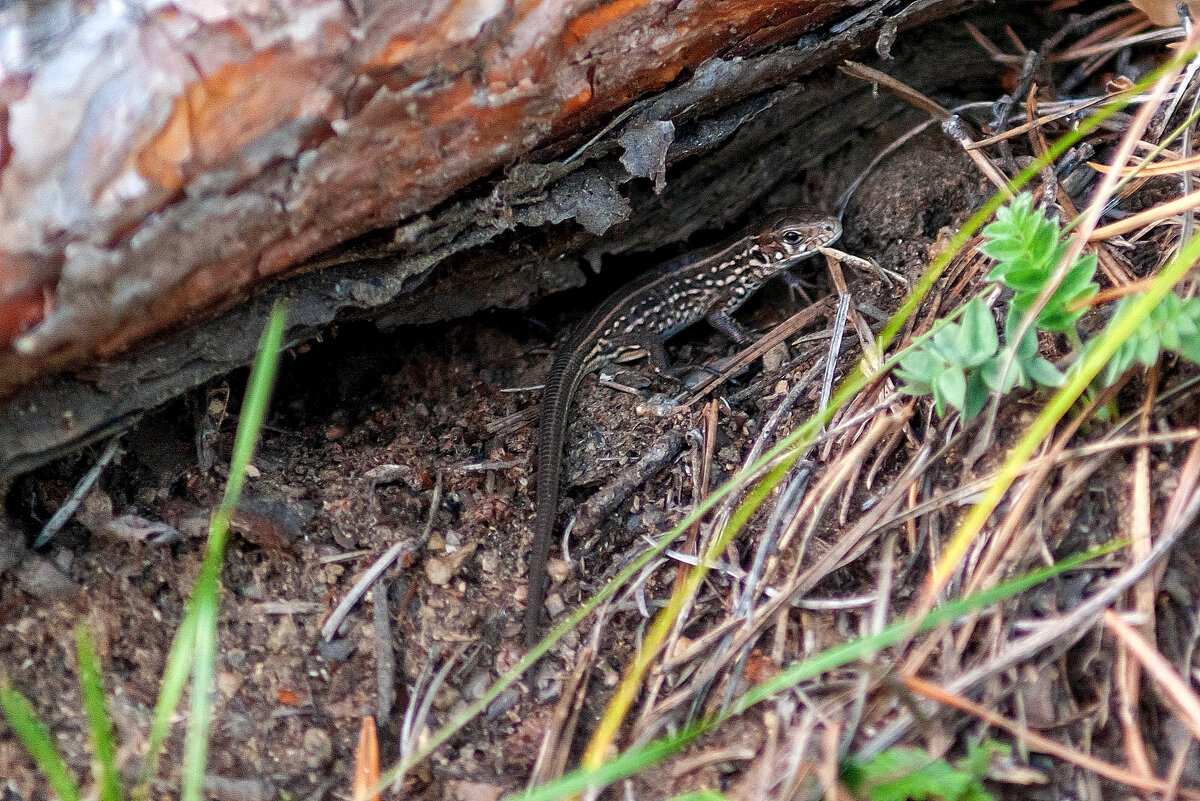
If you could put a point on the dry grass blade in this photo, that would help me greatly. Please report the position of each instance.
(1105, 48)
(1151, 216)
(1189, 476)
(1128, 677)
(1004, 542)
(369, 577)
(421, 698)
(1173, 166)
(898, 88)
(1038, 742)
(951, 123)
(560, 730)
(366, 762)
(1169, 682)
(1040, 122)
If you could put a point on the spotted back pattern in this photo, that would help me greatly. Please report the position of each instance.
(657, 305)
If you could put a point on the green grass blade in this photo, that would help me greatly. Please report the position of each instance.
(175, 677)
(627, 764)
(195, 744)
(638, 759)
(254, 407)
(37, 742)
(193, 651)
(100, 729)
(206, 593)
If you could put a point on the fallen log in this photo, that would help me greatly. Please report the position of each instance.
(409, 164)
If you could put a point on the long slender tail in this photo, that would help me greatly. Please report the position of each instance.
(560, 388)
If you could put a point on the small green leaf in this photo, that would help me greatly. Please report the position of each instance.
(951, 386)
(1168, 336)
(910, 774)
(1147, 349)
(1019, 306)
(945, 344)
(976, 396)
(1027, 348)
(1189, 347)
(977, 341)
(1024, 278)
(917, 370)
(979, 757)
(1003, 373)
(1043, 372)
(1044, 238)
(1001, 246)
(1078, 280)
(1121, 361)
(1057, 319)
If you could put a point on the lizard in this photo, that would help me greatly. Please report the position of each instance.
(709, 285)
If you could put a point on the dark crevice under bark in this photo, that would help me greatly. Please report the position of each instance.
(719, 146)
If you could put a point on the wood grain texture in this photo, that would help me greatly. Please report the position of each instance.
(158, 164)
(699, 153)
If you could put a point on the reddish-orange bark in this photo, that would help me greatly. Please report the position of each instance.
(217, 152)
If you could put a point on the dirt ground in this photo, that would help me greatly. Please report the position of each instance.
(363, 424)
(367, 430)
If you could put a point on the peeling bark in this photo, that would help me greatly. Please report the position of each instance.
(410, 120)
(162, 159)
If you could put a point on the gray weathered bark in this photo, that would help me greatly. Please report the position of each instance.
(698, 154)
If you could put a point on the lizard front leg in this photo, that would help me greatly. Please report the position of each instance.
(722, 322)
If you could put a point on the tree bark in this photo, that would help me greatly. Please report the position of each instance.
(181, 162)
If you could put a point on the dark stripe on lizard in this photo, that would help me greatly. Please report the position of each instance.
(707, 285)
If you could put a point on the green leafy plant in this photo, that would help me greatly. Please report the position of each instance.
(911, 774)
(1028, 246)
(1173, 325)
(949, 365)
(961, 363)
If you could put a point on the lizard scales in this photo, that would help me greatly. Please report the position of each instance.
(708, 284)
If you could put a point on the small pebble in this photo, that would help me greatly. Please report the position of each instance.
(336, 650)
(559, 570)
(504, 702)
(318, 748)
(776, 357)
(438, 571)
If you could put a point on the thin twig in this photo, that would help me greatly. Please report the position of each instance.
(362, 585)
(68, 509)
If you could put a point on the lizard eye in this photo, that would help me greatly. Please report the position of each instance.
(792, 237)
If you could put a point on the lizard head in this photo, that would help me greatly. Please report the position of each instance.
(798, 234)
